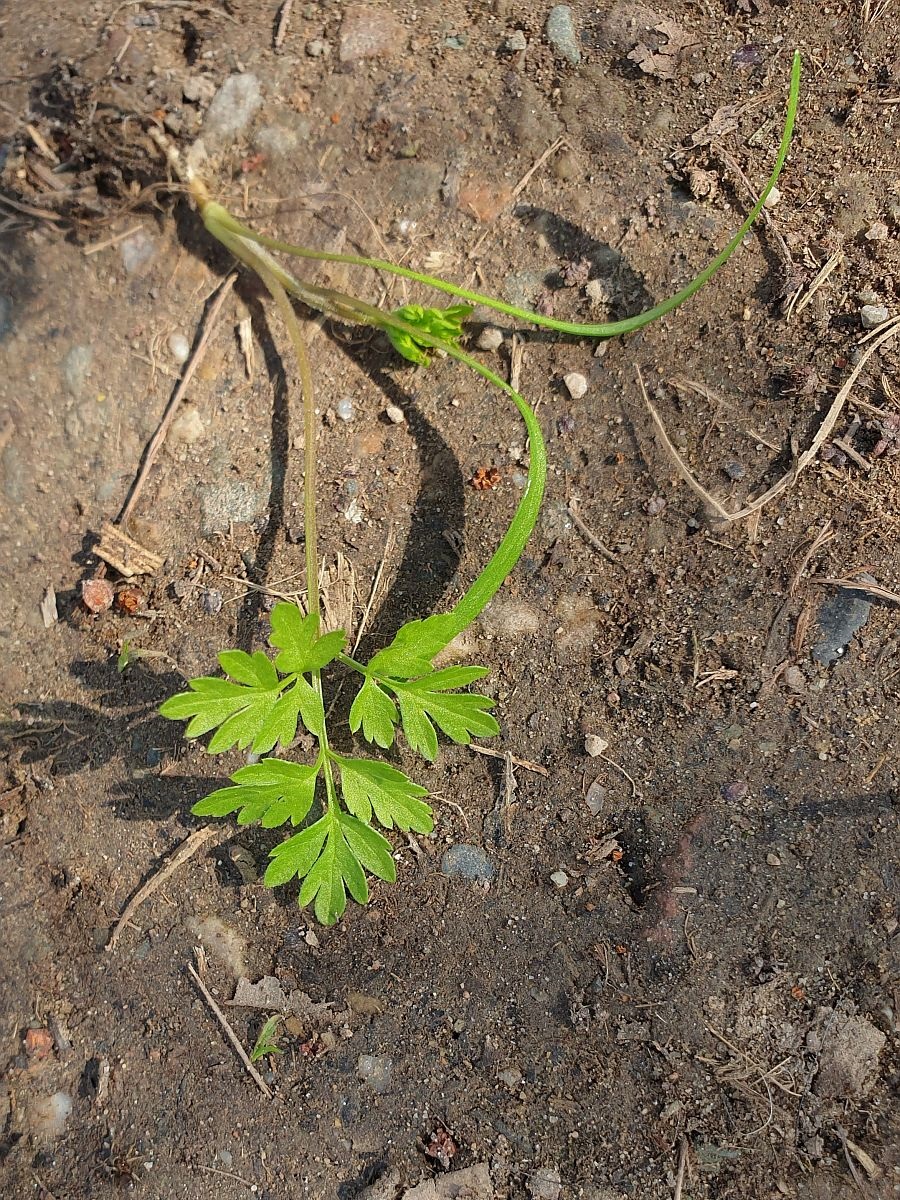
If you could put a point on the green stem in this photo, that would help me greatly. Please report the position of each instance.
(223, 219)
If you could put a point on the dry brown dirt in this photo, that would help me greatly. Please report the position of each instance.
(715, 986)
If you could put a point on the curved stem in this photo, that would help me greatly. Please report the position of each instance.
(604, 330)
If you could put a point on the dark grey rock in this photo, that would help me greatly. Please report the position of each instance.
(463, 861)
(561, 33)
(840, 617)
(233, 501)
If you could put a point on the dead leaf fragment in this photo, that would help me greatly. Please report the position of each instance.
(660, 54)
(48, 607)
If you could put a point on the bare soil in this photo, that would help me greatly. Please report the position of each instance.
(716, 983)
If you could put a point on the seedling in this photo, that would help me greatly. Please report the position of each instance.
(265, 1043)
(262, 701)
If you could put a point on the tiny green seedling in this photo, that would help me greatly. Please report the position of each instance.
(265, 1043)
(336, 801)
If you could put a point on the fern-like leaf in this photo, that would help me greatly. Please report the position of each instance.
(368, 785)
(271, 791)
(427, 702)
(332, 857)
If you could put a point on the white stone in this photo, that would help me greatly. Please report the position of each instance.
(179, 347)
(489, 338)
(576, 384)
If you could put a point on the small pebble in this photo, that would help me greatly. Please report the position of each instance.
(735, 471)
(773, 197)
(199, 89)
(375, 1070)
(877, 232)
(394, 414)
(344, 408)
(516, 42)
(489, 339)
(576, 384)
(316, 48)
(873, 315)
(559, 879)
(594, 745)
(467, 862)
(233, 107)
(187, 427)
(97, 595)
(794, 679)
(211, 602)
(773, 860)
(179, 347)
(137, 251)
(561, 35)
(596, 798)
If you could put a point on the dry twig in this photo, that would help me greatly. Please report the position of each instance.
(231, 1035)
(517, 762)
(159, 437)
(884, 333)
(188, 847)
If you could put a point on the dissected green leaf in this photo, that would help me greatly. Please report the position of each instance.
(443, 323)
(369, 785)
(253, 669)
(237, 711)
(331, 857)
(414, 646)
(271, 791)
(425, 702)
(296, 636)
(375, 711)
(301, 700)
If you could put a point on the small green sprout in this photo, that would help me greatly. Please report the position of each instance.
(336, 801)
(265, 1043)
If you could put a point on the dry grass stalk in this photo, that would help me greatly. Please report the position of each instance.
(885, 331)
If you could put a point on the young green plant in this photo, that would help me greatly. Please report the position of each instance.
(262, 701)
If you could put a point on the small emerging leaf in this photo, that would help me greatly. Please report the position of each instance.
(265, 1043)
(369, 785)
(296, 636)
(443, 323)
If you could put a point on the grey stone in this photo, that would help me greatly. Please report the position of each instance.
(284, 137)
(545, 1184)
(841, 616)
(463, 861)
(14, 475)
(6, 322)
(516, 42)
(199, 89)
(76, 368)
(561, 35)
(369, 32)
(233, 107)
(873, 315)
(233, 501)
(848, 1064)
(137, 251)
(376, 1071)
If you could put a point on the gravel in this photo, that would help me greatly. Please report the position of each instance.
(576, 384)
